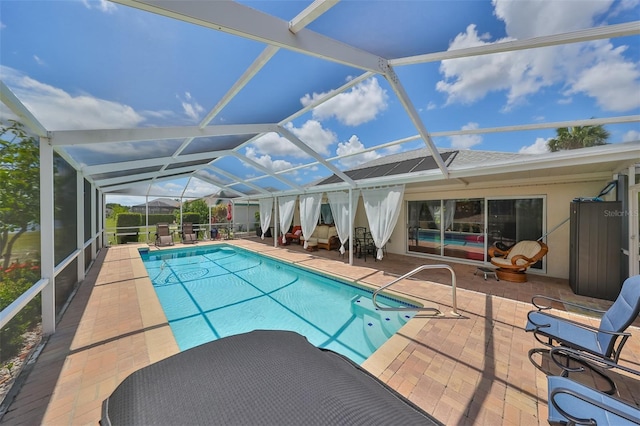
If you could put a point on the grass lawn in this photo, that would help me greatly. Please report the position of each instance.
(26, 247)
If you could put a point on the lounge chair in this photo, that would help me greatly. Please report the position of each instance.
(513, 262)
(571, 402)
(600, 346)
(163, 235)
(268, 377)
(188, 234)
(293, 236)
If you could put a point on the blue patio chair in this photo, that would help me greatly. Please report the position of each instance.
(571, 402)
(603, 344)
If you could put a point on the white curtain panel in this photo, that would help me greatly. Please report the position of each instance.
(443, 219)
(286, 205)
(383, 209)
(449, 213)
(339, 202)
(266, 207)
(309, 214)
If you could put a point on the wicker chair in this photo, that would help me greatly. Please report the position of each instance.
(513, 263)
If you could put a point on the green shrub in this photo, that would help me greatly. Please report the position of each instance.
(191, 217)
(160, 218)
(14, 281)
(128, 223)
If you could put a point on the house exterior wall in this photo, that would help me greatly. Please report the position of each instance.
(558, 197)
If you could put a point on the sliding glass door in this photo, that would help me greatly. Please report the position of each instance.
(513, 220)
(465, 228)
(451, 228)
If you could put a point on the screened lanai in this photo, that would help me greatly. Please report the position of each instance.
(266, 100)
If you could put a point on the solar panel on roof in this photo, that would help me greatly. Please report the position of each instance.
(428, 163)
(405, 166)
(391, 169)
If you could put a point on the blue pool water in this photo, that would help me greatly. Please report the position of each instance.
(212, 292)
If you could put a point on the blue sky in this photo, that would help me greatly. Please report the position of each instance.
(94, 64)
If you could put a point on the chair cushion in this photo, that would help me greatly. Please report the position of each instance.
(569, 333)
(586, 410)
(321, 232)
(525, 248)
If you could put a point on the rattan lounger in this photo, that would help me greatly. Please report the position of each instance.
(262, 377)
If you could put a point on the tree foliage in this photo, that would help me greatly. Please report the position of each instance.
(117, 209)
(19, 185)
(196, 206)
(578, 137)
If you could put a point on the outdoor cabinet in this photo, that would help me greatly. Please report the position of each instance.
(595, 248)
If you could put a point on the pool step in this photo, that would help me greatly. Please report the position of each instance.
(378, 325)
(374, 333)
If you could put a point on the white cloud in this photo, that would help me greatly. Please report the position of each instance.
(273, 143)
(610, 80)
(267, 161)
(466, 141)
(578, 68)
(315, 136)
(59, 110)
(526, 19)
(359, 105)
(351, 146)
(191, 107)
(311, 133)
(431, 105)
(538, 147)
(198, 188)
(38, 60)
(101, 5)
(631, 136)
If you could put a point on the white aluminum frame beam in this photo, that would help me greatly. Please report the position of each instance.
(17, 107)
(153, 162)
(304, 147)
(310, 14)
(244, 79)
(84, 137)
(394, 81)
(598, 33)
(240, 20)
(265, 170)
(47, 237)
(235, 178)
(139, 178)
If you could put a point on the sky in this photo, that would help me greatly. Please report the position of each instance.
(85, 64)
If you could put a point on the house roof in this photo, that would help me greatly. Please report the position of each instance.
(318, 62)
(465, 166)
(161, 202)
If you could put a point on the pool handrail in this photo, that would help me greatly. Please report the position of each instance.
(413, 272)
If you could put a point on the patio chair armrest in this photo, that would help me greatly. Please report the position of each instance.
(589, 400)
(588, 357)
(517, 257)
(577, 324)
(564, 302)
(496, 252)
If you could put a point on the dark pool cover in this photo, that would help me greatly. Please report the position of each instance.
(258, 378)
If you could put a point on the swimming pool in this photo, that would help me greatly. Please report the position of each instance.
(456, 244)
(211, 292)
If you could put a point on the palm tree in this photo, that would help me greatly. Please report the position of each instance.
(578, 137)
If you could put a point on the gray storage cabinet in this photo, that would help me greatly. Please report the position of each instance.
(595, 248)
